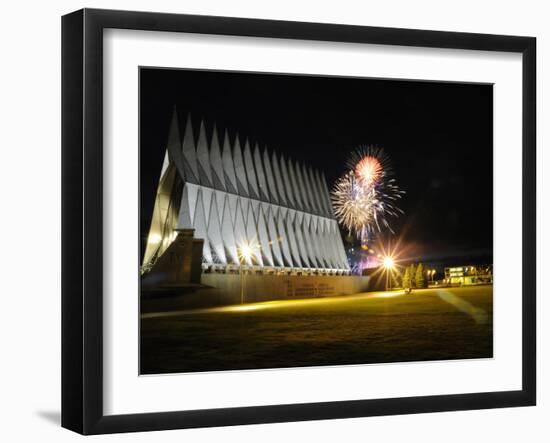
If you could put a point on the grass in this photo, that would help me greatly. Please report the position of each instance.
(370, 328)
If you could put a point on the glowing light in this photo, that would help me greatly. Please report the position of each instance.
(368, 170)
(389, 294)
(246, 250)
(388, 262)
(244, 308)
(154, 238)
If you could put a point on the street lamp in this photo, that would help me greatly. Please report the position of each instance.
(245, 252)
(389, 264)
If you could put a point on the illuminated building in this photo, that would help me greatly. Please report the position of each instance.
(468, 275)
(237, 196)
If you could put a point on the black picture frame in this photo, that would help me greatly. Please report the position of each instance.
(82, 215)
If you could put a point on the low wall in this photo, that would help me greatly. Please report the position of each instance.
(277, 287)
(225, 289)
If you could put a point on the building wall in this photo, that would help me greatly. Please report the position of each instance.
(272, 287)
(225, 289)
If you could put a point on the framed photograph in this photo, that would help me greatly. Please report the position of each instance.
(269, 221)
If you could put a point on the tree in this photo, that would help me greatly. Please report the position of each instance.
(419, 276)
(407, 279)
(412, 273)
(396, 280)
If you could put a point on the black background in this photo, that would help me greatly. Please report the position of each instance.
(439, 137)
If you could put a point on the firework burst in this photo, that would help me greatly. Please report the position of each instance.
(366, 197)
(353, 203)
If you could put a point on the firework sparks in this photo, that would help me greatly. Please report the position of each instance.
(366, 197)
(353, 203)
(368, 170)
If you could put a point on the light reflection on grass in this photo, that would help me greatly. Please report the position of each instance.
(276, 304)
(364, 328)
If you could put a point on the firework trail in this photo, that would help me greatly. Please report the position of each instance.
(366, 197)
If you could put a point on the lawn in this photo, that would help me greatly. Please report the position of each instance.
(429, 324)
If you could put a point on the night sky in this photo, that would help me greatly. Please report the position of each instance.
(439, 137)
